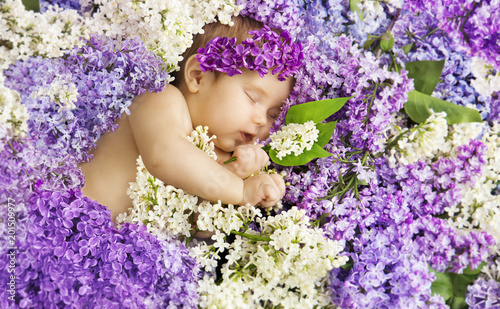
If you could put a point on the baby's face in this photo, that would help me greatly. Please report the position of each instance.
(239, 109)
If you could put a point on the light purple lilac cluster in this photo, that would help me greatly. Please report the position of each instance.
(471, 24)
(385, 273)
(71, 254)
(108, 74)
(483, 294)
(64, 4)
(431, 43)
(395, 234)
(68, 251)
(267, 51)
(279, 14)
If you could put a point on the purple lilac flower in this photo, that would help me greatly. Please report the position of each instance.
(385, 274)
(108, 73)
(431, 43)
(483, 294)
(71, 254)
(64, 4)
(85, 10)
(267, 51)
(279, 14)
(472, 25)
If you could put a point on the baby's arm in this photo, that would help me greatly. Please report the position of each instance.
(160, 123)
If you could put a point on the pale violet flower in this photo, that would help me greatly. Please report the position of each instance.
(294, 138)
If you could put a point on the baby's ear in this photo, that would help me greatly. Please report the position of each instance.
(193, 74)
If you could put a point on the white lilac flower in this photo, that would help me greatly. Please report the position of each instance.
(26, 33)
(294, 138)
(13, 115)
(286, 268)
(479, 208)
(166, 27)
(200, 138)
(487, 78)
(421, 142)
(60, 91)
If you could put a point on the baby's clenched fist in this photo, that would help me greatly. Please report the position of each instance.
(250, 159)
(265, 190)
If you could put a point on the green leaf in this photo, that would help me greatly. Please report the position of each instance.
(305, 157)
(442, 285)
(474, 272)
(419, 105)
(407, 48)
(325, 132)
(316, 111)
(460, 284)
(453, 287)
(31, 5)
(354, 7)
(425, 74)
(386, 41)
(458, 302)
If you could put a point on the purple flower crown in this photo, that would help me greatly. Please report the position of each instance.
(265, 51)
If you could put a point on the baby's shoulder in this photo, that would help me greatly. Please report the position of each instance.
(170, 94)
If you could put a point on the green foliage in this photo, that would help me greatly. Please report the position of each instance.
(32, 5)
(426, 75)
(315, 111)
(453, 287)
(304, 158)
(419, 107)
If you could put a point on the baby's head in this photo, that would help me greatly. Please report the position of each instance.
(235, 83)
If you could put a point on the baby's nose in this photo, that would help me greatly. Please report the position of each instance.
(260, 117)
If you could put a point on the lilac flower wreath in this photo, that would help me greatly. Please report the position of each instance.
(265, 51)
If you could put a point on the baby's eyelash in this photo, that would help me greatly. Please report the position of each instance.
(250, 98)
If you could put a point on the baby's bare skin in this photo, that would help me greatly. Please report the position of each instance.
(238, 110)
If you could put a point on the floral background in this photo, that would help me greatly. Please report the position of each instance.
(404, 213)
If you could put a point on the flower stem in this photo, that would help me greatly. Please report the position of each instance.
(251, 237)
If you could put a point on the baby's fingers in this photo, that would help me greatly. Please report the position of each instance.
(273, 192)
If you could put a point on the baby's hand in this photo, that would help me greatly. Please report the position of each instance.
(265, 190)
(250, 159)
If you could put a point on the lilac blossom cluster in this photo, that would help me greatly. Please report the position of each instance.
(64, 4)
(396, 213)
(107, 72)
(385, 272)
(72, 255)
(483, 294)
(428, 42)
(281, 14)
(265, 51)
(472, 25)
